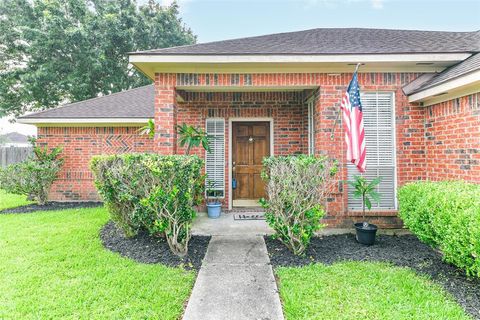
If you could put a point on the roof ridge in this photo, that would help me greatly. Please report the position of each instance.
(71, 104)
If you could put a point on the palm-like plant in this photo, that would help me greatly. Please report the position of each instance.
(365, 190)
(149, 129)
(191, 136)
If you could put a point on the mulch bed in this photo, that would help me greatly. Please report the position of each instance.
(52, 205)
(147, 249)
(404, 251)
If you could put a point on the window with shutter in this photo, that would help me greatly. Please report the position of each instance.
(215, 159)
(379, 123)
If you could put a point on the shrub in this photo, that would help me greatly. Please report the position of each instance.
(177, 186)
(123, 181)
(445, 215)
(297, 186)
(152, 192)
(34, 176)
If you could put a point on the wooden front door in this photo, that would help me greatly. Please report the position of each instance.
(250, 144)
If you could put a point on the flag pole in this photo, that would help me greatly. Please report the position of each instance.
(338, 112)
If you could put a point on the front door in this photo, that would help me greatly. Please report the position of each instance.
(250, 144)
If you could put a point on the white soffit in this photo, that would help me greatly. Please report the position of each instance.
(151, 64)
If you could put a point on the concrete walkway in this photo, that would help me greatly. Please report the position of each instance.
(235, 282)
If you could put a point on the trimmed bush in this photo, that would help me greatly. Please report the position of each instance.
(152, 192)
(123, 181)
(297, 187)
(445, 215)
(34, 176)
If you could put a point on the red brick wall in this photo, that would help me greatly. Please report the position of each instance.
(409, 122)
(75, 181)
(452, 139)
(448, 131)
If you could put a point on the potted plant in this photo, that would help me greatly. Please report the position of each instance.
(365, 190)
(214, 207)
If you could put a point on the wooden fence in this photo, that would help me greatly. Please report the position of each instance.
(9, 155)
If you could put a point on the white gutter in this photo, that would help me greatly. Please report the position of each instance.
(83, 120)
(337, 58)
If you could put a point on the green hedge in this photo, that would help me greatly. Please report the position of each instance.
(445, 215)
(152, 192)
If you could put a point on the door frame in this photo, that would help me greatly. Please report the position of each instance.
(230, 147)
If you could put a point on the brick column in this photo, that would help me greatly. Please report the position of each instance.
(327, 107)
(165, 141)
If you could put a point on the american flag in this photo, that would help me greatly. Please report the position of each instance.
(353, 125)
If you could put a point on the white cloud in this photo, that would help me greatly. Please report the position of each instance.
(377, 4)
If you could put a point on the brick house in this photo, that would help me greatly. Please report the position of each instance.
(279, 94)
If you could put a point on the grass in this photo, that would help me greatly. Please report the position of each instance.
(53, 265)
(8, 200)
(362, 290)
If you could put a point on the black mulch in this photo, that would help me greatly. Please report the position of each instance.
(147, 249)
(404, 251)
(52, 205)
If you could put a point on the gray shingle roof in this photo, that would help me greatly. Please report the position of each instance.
(431, 80)
(335, 41)
(133, 103)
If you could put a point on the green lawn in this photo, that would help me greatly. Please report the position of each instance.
(362, 290)
(8, 200)
(53, 266)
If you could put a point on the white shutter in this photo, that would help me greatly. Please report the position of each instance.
(379, 123)
(215, 159)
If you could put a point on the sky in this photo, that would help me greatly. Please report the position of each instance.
(229, 19)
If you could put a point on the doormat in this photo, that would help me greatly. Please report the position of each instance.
(249, 216)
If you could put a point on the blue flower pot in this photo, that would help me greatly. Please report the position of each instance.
(214, 210)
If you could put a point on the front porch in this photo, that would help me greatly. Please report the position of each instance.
(256, 115)
(246, 126)
(226, 225)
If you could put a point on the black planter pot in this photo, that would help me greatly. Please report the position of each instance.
(366, 235)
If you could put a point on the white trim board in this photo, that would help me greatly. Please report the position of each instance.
(466, 84)
(319, 58)
(79, 121)
(272, 150)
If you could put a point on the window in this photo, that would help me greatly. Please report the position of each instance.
(215, 159)
(311, 126)
(378, 117)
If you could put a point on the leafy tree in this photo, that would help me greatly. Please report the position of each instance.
(192, 137)
(366, 191)
(58, 51)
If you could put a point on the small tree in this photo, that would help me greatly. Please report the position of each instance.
(34, 176)
(297, 187)
(191, 136)
(366, 191)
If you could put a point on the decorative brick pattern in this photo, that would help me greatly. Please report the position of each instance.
(75, 181)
